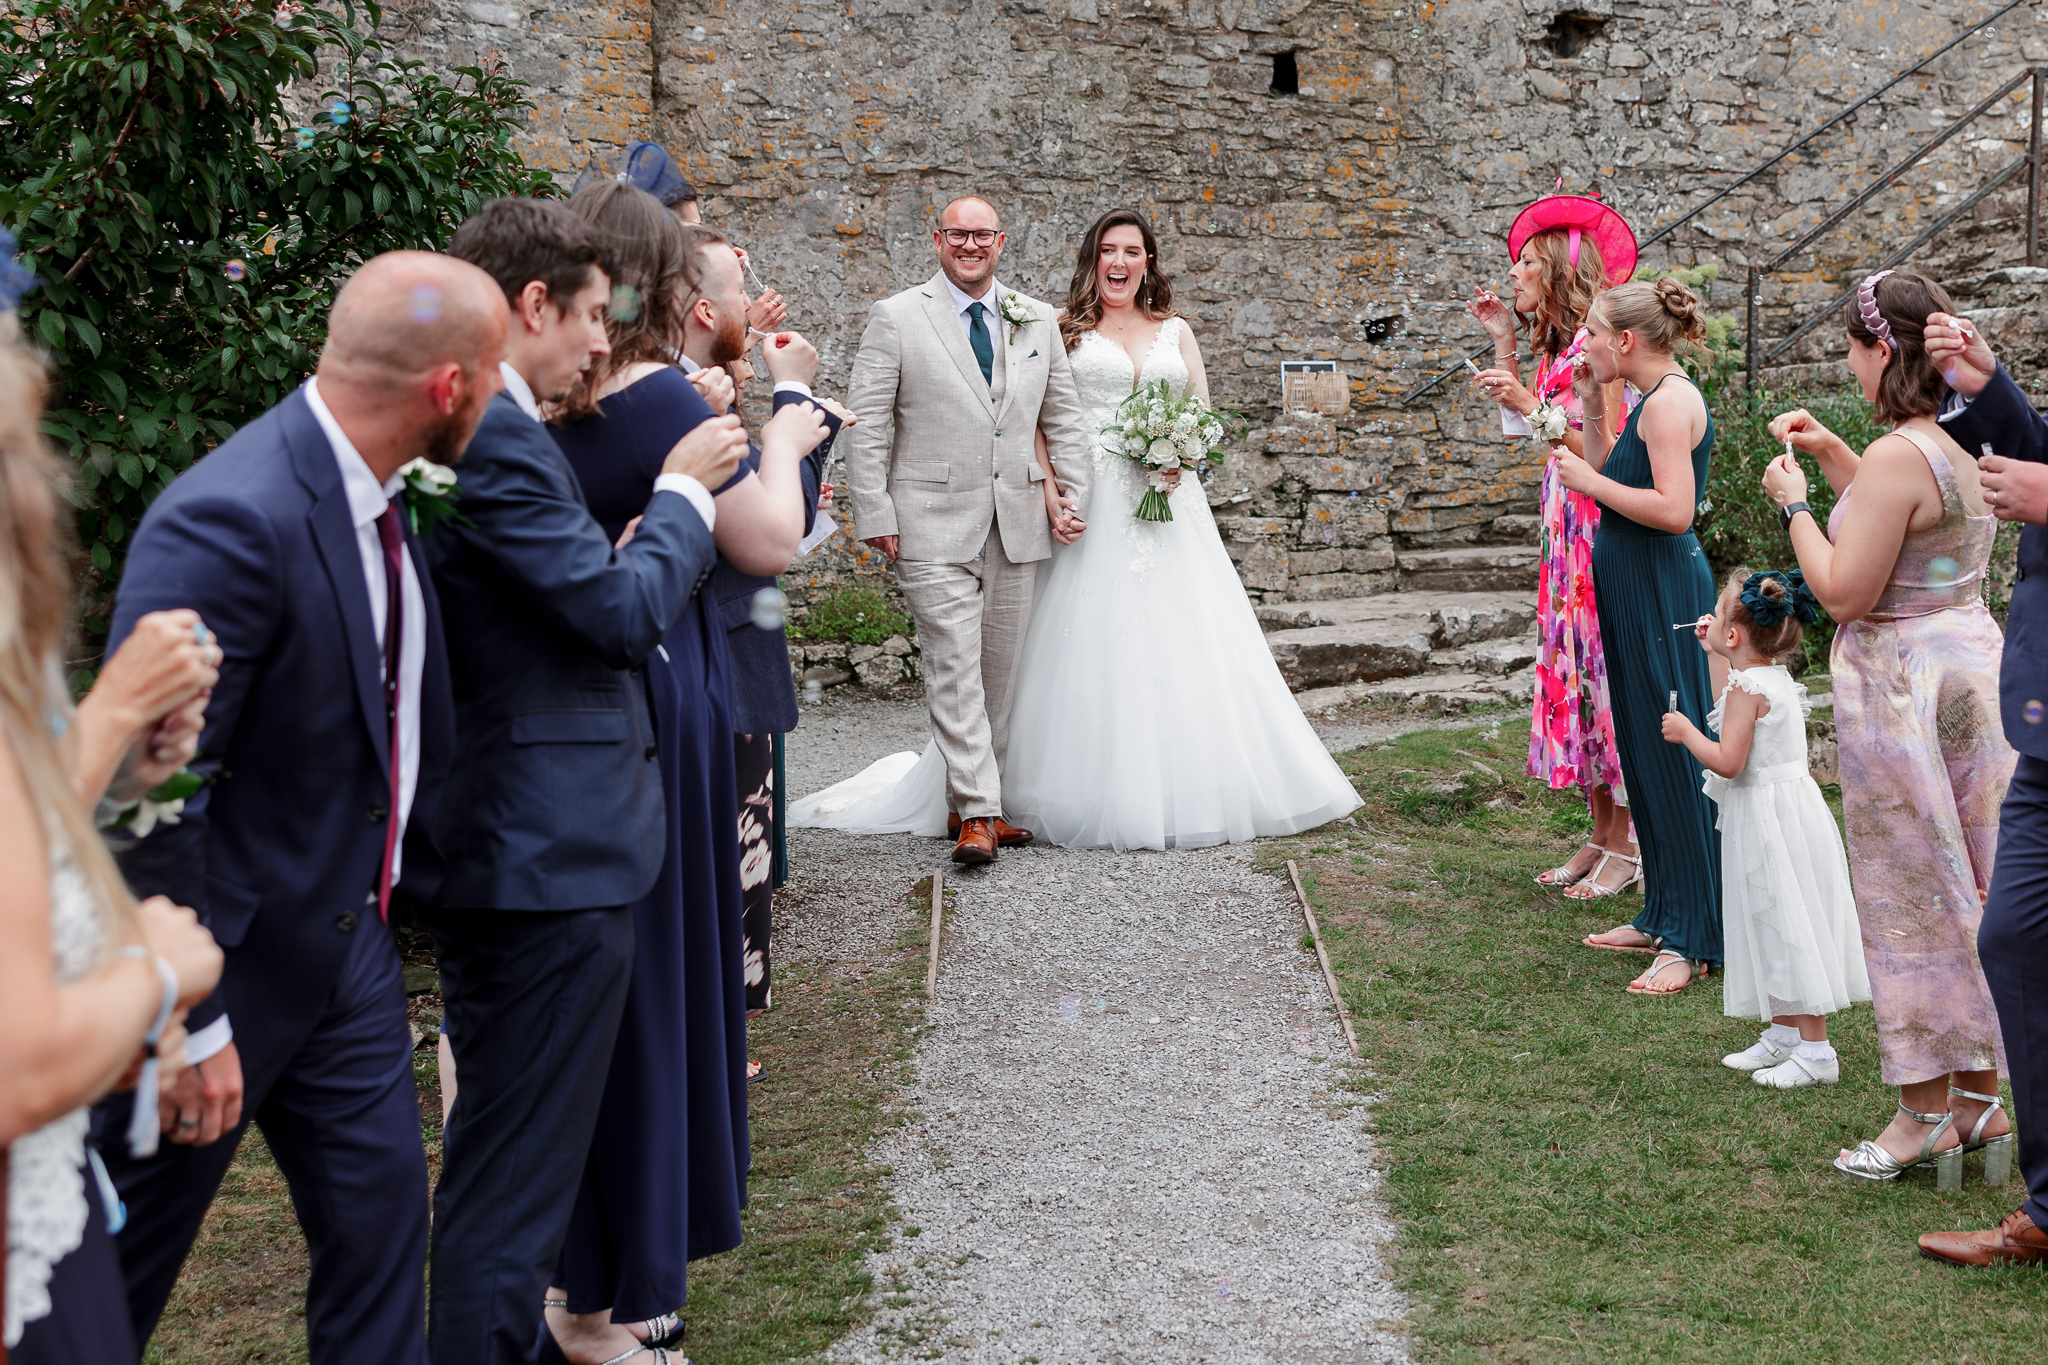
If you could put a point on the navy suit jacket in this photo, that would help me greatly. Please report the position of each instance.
(555, 801)
(2002, 417)
(763, 699)
(278, 854)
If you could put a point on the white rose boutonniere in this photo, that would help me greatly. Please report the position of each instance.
(1016, 312)
(429, 496)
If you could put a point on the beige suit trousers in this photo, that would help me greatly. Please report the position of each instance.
(970, 625)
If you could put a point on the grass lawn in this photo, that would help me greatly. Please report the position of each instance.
(835, 1050)
(1575, 1175)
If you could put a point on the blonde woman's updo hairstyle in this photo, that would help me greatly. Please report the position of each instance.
(1910, 386)
(1665, 314)
(1568, 290)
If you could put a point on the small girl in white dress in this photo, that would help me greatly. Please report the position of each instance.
(1794, 950)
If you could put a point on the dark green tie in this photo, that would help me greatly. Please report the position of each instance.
(977, 337)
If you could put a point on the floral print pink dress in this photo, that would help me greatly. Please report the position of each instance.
(1571, 742)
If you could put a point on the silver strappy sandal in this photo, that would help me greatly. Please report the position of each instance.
(662, 1333)
(1562, 875)
(1997, 1150)
(1590, 889)
(1871, 1162)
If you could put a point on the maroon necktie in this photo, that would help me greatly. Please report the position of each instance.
(394, 632)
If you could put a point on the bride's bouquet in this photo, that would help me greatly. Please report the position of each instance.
(1163, 431)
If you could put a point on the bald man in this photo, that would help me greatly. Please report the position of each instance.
(327, 739)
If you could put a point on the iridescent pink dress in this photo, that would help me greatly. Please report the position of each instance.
(1571, 740)
(1924, 767)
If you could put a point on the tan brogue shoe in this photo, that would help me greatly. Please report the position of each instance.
(2015, 1239)
(1007, 834)
(977, 842)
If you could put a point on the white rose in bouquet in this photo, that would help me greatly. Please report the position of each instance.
(1162, 453)
(1166, 430)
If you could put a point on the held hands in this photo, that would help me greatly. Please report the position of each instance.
(1506, 390)
(1487, 309)
(2016, 489)
(159, 668)
(710, 452)
(1067, 526)
(1959, 351)
(1784, 481)
(790, 358)
(716, 388)
(161, 751)
(205, 1101)
(794, 431)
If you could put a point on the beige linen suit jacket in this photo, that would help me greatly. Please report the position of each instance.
(939, 453)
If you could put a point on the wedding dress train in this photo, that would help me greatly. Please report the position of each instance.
(1147, 711)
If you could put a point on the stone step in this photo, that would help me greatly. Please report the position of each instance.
(1443, 693)
(1481, 568)
(1398, 635)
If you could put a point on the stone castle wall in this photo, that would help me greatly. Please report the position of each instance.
(1344, 221)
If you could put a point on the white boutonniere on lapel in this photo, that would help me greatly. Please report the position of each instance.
(162, 804)
(429, 495)
(1016, 312)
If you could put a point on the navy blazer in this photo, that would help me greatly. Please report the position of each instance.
(279, 853)
(763, 700)
(555, 800)
(2002, 417)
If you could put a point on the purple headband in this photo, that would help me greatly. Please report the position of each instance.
(1866, 304)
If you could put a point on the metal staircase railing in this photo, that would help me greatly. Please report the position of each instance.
(2031, 160)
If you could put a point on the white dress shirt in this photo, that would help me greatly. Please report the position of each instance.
(367, 499)
(695, 493)
(991, 317)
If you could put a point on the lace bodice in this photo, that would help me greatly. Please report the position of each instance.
(1103, 375)
(46, 1178)
(1778, 752)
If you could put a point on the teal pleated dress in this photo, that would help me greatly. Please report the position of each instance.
(1645, 580)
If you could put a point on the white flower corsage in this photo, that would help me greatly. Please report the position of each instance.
(429, 495)
(1549, 422)
(162, 804)
(1016, 312)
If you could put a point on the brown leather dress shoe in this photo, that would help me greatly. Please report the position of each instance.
(2015, 1239)
(1007, 834)
(977, 842)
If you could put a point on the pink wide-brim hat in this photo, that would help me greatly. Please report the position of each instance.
(1579, 213)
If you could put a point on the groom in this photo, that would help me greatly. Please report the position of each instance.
(952, 379)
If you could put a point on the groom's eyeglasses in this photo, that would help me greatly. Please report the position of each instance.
(978, 236)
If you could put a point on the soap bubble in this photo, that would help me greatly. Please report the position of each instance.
(338, 111)
(426, 304)
(1223, 1288)
(814, 692)
(304, 137)
(2033, 713)
(766, 610)
(1942, 571)
(236, 270)
(625, 304)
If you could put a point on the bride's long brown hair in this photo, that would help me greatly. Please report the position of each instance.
(1084, 303)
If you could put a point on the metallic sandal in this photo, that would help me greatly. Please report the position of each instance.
(1872, 1162)
(1998, 1150)
(1590, 888)
(1562, 875)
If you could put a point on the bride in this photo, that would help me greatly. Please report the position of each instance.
(1147, 712)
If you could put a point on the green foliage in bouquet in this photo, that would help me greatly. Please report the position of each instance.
(1161, 430)
(859, 616)
(190, 221)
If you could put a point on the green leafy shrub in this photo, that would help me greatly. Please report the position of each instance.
(859, 616)
(190, 228)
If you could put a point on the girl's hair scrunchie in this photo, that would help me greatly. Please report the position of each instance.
(1770, 611)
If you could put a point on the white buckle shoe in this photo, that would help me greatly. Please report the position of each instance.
(1758, 1055)
(1796, 1072)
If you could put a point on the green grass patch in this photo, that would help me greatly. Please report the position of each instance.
(835, 1050)
(1575, 1175)
(859, 616)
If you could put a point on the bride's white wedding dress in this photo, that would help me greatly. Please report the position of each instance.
(1147, 711)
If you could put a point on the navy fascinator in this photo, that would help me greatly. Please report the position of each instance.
(648, 168)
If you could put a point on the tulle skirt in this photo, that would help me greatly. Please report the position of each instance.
(1147, 711)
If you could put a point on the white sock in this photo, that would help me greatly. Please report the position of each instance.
(1816, 1050)
(1784, 1035)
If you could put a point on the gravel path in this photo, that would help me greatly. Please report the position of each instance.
(1128, 1141)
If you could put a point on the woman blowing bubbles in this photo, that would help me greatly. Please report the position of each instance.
(1566, 248)
(1650, 573)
